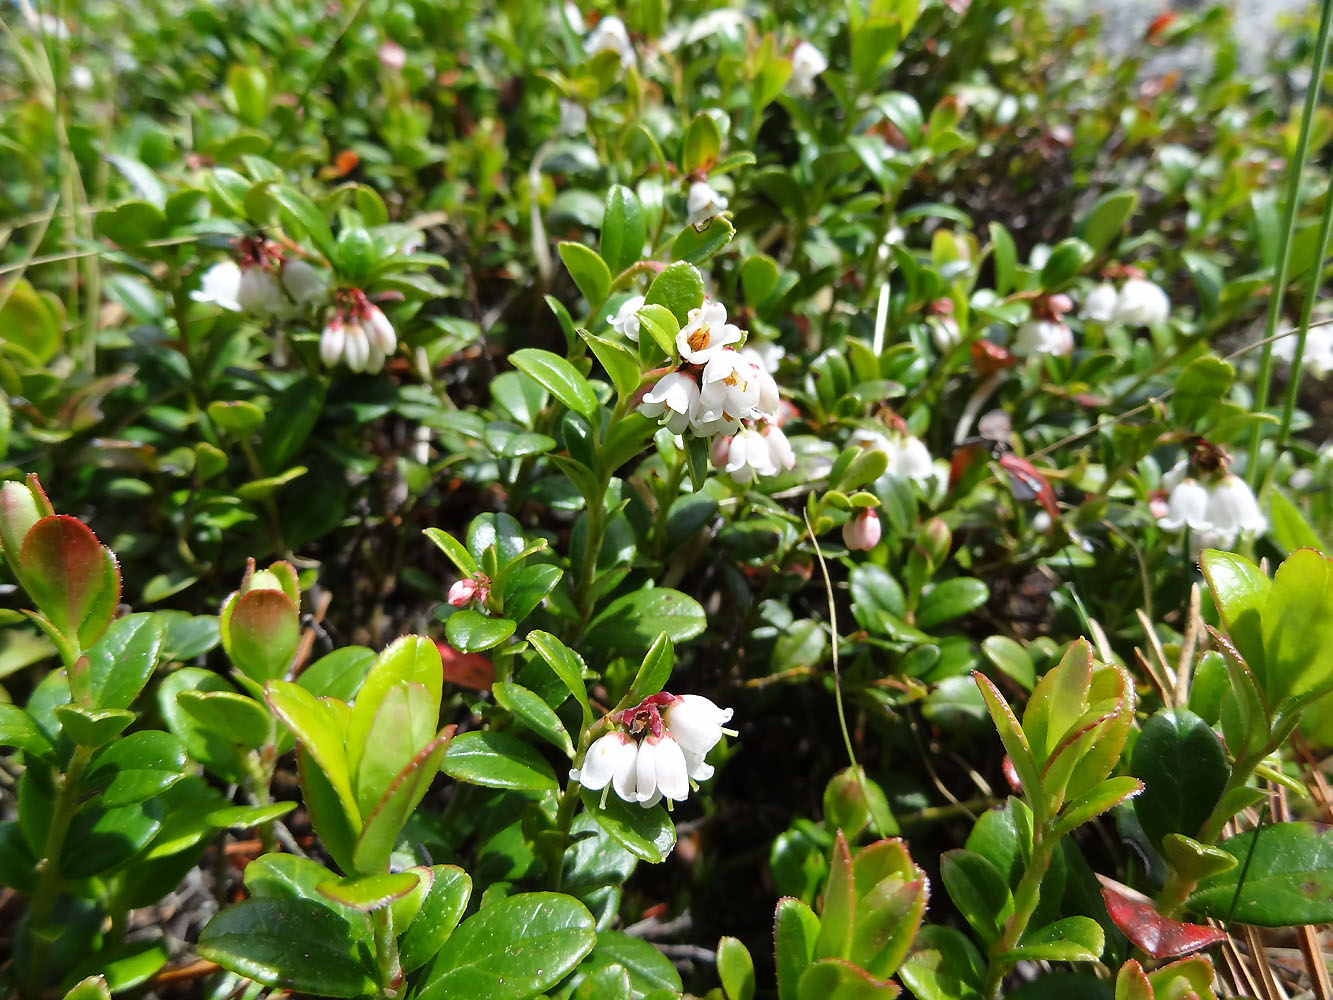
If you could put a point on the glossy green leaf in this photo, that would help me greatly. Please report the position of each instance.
(454, 549)
(261, 630)
(404, 723)
(1011, 659)
(838, 917)
(679, 287)
(498, 760)
(662, 327)
(1287, 878)
(319, 733)
(795, 929)
(101, 838)
(648, 834)
(759, 278)
(944, 965)
(369, 892)
(379, 835)
(17, 729)
(92, 988)
(123, 659)
(411, 659)
(589, 272)
(978, 890)
(310, 218)
(950, 599)
(620, 364)
(1298, 628)
(696, 244)
(1106, 796)
(649, 970)
(292, 944)
(1290, 528)
(565, 664)
(634, 621)
(624, 229)
(1011, 733)
(559, 377)
(228, 715)
(1107, 217)
(436, 919)
(1073, 939)
(1239, 590)
(92, 728)
(735, 968)
(534, 713)
(137, 767)
(1183, 768)
(338, 674)
(1067, 259)
(511, 950)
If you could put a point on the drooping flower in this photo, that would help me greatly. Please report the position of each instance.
(1142, 303)
(661, 771)
(750, 456)
(862, 531)
(702, 202)
(626, 320)
(1233, 509)
(1186, 505)
(764, 353)
(696, 722)
(1044, 336)
(677, 393)
(779, 448)
(706, 331)
(610, 35)
(610, 761)
(220, 285)
(260, 293)
(463, 592)
(1100, 303)
(304, 283)
(807, 62)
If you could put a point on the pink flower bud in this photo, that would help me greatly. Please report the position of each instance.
(721, 451)
(463, 592)
(862, 532)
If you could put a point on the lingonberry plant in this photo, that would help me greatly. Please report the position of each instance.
(578, 501)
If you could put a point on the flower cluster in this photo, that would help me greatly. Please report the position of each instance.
(718, 392)
(262, 280)
(1138, 302)
(1216, 505)
(656, 750)
(358, 334)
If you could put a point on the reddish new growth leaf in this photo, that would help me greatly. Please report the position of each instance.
(468, 670)
(1029, 484)
(1149, 931)
(1011, 775)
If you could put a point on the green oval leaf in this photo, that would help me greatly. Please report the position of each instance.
(559, 377)
(498, 760)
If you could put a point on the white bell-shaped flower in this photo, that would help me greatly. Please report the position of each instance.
(1100, 304)
(380, 331)
(356, 347)
(573, 118)
(944, 332)
(306, 285)
(750, 456)
(626, 320)
(610, 35)
(696, 722)
(1044, 336)
(763, 353)
(333, 341)
(807, 62)
(1186, 506)
(220, 285)
(610, 760)
(769, 404)
(259, 293)
(779, 448)
(1232, 508)
(661, 771)
(702, 202)
(706, 331)
(1142, 303)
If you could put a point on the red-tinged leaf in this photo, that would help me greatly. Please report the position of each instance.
(467, 670)
(70, 577)
(989, 358)
(1149, 931)
(1011, 733)
(1132, 983)
(963, 459)
(264, 629)
(1159, 24)
(1029, 484)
